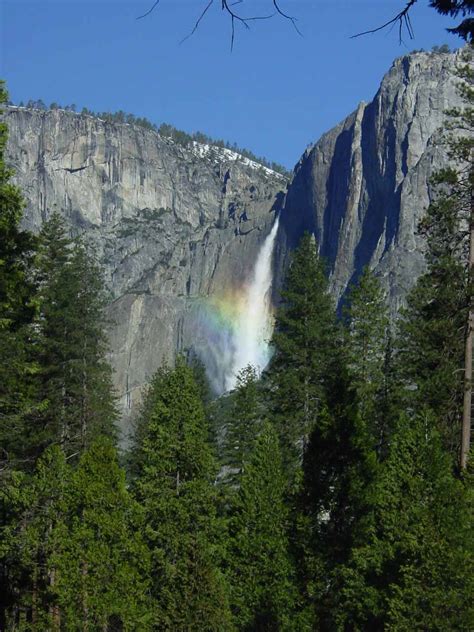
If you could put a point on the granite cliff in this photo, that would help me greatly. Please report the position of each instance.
(173, 226)
(176, 227)
(363, 187)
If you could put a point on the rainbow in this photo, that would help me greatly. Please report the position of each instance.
(237, 323)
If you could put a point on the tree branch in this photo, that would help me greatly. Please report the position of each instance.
(238, 18)
(403, 19)
(288, 17)
(155, 4)
(198, 21)
(228, 7)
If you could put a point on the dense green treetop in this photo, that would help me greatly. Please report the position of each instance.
(242, 423)
(305, 341)
(411, 563)
(366, 344)
(262, 577)
(174, 481)
(103, 563)
(72, 547)
(75, 379)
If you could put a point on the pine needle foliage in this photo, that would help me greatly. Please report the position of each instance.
(366, 342)
(243, 423)
(411, 564)
(72, 546)
(305, 341)
(174, 482)
(261, 570)
(17, 310)
(35, 512)
(75, 379)
(103, 564)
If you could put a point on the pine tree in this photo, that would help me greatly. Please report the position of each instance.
(311, 396)
(242, 424)
(305, 342)
(17, 309)
(366, 351)
(102, 562)
(75, 379)
(340, 464)
(72, 546)
(262, 577)
(201, 379)
(411, 564)
(435, 341)
(91, 373)
(35, 514)
(174, 474)
(430, 340)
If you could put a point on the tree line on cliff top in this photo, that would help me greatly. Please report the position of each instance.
(166, 130)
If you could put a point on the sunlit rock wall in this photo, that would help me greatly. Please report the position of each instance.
(172, 226)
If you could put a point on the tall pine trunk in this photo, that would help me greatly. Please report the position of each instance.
(54, 611)
(85, 596)
(467, 402)
(34, 599)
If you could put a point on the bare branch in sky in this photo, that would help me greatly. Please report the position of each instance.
(155, 4)
(403, 20)
(235, 17)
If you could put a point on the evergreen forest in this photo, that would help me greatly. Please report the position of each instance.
(333, 493)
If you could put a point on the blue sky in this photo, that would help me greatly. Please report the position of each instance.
(274, 93)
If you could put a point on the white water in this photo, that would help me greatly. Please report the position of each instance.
(255, 324)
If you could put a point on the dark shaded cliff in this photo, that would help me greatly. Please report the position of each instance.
(363, 187)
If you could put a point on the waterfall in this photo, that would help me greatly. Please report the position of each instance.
(254, 327)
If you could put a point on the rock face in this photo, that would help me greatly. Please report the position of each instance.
(172, 226)
(175, 227)
(363, 187)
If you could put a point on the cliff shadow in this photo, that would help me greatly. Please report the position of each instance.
(337, 187)
(381, 214)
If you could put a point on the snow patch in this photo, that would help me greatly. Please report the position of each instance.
(222, 154)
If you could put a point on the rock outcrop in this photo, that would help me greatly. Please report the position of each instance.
(176, 226)
(363, 187)
(172, 226)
